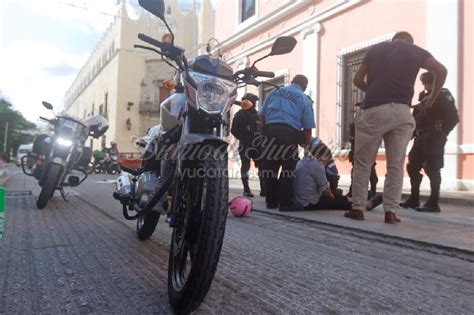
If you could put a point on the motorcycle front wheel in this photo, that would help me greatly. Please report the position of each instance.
(146, 225)
(197, 241)
(49, 185)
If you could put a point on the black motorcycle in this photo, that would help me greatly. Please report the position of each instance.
(185, 172)
(62, 159)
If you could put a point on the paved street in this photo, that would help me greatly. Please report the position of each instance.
(81, 256)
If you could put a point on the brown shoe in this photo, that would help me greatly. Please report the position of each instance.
(392, 217)
(354, 214)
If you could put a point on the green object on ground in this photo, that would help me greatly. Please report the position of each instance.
(2, 210)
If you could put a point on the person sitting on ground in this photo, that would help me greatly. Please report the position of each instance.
(312, 183)
(311, 187)
(332, 173)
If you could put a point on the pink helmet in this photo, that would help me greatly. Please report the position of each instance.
(240, 206)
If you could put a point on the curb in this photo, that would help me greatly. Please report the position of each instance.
(460, 253)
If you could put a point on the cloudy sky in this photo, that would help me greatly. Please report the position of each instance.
(44, 43)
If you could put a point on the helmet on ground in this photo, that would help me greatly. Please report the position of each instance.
(240, 206)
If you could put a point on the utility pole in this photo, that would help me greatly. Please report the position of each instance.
(5, 138)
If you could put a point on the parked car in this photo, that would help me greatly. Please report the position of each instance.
(23, 150)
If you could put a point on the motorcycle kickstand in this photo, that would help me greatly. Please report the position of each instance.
(63, 194)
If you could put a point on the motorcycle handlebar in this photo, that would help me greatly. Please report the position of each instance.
(265, 74)
(151, 40)
(45, 119)
(147, 48)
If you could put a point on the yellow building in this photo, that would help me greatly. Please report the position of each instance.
(124, 83)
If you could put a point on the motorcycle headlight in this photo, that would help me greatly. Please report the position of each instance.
(64, 142)
(212, 93)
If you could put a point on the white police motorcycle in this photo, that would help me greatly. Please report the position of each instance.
(62, 159)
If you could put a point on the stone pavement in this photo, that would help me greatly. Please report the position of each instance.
(452, 229)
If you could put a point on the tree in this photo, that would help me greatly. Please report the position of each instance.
(16, 123)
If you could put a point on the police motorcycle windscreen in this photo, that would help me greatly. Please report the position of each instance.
(98, 125)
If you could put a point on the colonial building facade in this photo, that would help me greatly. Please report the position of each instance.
(124, 83)
(333, 36)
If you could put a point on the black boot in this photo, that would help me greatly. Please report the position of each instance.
(247, 192)
(432, 204)
(414, 200)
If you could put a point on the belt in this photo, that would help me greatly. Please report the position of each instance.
(370, 105)
(282, 125)
(438, 126)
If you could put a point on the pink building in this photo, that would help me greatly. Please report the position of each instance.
(333, 36)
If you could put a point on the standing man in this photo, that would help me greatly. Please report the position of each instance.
(391, 69)
(432, 128)
(373, 180)
(246, 126)
(288, 117)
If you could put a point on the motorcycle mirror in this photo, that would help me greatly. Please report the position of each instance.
(283, 45)
(155, 7)
(47, 105)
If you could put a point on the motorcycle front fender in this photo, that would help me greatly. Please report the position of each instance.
(54, 160)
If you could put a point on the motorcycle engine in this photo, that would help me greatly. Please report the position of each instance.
(147, 185)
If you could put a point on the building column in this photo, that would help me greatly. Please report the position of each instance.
(442, 41)
(310, 69)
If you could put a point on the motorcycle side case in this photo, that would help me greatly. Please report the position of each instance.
(125, 184)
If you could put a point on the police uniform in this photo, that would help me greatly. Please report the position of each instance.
(432, 128)
(246, 127)
(287, 111)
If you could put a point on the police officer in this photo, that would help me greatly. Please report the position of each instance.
(246, 126)
(432, 128)
(288, 118)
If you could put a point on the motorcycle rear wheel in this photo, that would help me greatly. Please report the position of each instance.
(49, 185)
(114, 169)
(197, 241)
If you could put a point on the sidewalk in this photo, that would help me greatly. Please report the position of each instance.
(453, 228)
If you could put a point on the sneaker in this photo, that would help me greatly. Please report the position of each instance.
(248, 194)
(429, 208)
(354, 214)
(374, 202)
(392, 217)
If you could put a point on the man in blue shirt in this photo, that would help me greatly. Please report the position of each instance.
(387, 76)
(287, 116)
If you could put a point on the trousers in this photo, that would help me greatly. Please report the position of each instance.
(393, 123)
(280, 151)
